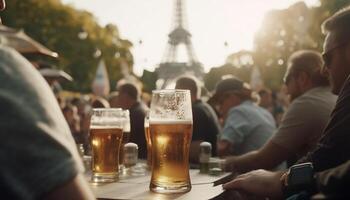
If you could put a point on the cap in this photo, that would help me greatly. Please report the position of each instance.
(226, 85)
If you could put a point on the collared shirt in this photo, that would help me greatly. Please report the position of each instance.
(247, 127)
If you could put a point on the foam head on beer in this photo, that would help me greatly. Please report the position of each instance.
(169, 105)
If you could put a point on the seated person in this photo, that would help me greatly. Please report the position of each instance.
(300, 128)
(129, 99)
(205, 122)
(247, 126)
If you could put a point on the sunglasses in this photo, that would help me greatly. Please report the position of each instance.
(327, 56)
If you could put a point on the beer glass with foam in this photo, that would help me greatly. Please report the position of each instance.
(170, 123)
(106, 134)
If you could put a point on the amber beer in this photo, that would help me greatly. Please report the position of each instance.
(170, 156)
(105, 142)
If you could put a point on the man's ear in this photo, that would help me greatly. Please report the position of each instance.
(303, 78)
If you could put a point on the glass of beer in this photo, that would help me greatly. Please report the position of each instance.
(170, 122)
(106, 134)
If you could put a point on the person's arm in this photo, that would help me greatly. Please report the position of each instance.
(268, 157)
(75, 189)
(335, 180)
(237, 126)
(259, 183)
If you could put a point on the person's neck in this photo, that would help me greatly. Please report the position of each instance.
(307, 87)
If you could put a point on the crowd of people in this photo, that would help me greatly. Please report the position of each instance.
(306, 150)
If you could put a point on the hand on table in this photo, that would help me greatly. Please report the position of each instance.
(258, 182)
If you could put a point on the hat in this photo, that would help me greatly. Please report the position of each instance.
(226, 85)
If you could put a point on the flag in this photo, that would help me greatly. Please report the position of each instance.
(100, 85)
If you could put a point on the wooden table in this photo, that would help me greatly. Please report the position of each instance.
(138, 188)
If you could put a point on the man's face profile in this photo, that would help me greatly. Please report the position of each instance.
(336, 62)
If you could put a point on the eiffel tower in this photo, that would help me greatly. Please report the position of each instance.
(170, 67)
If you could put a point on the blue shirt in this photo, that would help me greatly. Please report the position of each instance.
(247, 127)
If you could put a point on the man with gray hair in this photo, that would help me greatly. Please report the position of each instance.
(301, 127)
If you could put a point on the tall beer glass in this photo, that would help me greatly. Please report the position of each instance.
(171, 133)
(106, 133)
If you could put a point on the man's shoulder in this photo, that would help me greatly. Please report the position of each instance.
(8, 50)
(10, 58)
(317, 98)
(318, 94)
(247, 107)
(201, 106)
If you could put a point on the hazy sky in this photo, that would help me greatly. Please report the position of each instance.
(211, 23)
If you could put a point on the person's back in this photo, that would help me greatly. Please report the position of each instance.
(246, 126)
(206, 125)
(129, 98)
(137, 135)
(307, 116)
(253, 127)
(38, 153)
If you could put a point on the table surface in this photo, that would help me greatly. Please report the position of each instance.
(137, 187)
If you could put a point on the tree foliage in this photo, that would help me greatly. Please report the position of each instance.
(57, 26)
(282, 33)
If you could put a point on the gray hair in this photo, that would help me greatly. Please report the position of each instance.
(311, 63)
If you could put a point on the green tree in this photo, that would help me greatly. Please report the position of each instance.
(57, 26)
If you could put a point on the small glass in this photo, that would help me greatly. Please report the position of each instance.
(130, 154)
(204, 157)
